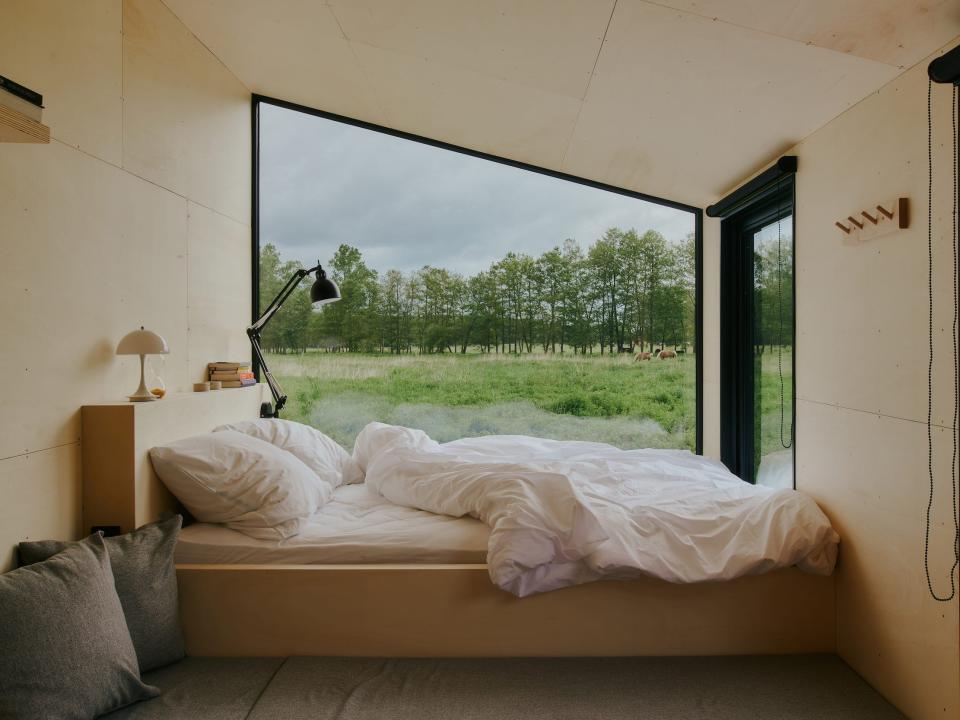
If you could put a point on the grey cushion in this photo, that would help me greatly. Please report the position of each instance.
(65, 651)
(146, 582)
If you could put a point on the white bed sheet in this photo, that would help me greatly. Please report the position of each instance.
(356, 526)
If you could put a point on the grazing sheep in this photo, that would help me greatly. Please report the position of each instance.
(642, 356)
(667, 354)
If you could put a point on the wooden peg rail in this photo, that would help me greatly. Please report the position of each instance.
(885, 214)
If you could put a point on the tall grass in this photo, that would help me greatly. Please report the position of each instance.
(603, 398)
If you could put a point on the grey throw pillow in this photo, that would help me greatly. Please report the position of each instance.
(146, 582)
(65, 651)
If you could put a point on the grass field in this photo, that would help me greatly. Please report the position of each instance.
(771, 434)
(602, 398)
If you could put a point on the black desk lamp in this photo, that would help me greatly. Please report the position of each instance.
(324, 291)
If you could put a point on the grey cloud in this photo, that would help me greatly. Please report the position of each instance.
(406, 204)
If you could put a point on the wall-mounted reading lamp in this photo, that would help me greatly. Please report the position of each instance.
(323, 291)
(946, 68)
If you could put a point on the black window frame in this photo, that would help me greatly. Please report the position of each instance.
(770, 197)
(257, 100)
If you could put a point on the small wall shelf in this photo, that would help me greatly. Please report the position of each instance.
(17, 127)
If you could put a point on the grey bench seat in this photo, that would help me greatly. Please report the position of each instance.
(204, 689)
(785, 687)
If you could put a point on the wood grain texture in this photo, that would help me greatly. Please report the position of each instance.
(17, 127)
(455, 611)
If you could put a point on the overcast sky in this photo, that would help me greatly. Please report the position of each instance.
(405, 204)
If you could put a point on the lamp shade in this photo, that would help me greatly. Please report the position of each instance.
(324, 290)
(142, 342)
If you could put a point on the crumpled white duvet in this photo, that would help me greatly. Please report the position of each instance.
(563, 513)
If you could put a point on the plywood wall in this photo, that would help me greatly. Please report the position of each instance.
(862, 388)
(137, 213)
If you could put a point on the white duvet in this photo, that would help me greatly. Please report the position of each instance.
(562, 513)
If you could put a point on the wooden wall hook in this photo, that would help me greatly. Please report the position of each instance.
(903, 213)
(875, 222)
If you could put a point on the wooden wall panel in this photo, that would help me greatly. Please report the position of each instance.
(219, 289)
(39, 498)
(862, 383)
(185, 116)
(868, 472)
(69, 52)
(90, 249)
(863, 308)
(93, 253)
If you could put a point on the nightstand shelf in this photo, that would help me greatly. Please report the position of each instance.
(17, 127)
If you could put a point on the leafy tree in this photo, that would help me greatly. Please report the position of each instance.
(627, 291)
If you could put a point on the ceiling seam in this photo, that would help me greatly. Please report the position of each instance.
(793, 148)
(205, 46)
(596, 60)
(714, 18)
(586, 90)
(356, 58)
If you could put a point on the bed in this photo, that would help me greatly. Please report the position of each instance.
(356, 527)
(368, 594)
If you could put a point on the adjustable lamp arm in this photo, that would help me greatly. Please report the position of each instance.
(281, 298)
(253, 332)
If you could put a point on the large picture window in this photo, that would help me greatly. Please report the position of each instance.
(479, 296)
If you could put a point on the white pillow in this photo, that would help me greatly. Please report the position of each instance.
(318, 452)
(245, 483)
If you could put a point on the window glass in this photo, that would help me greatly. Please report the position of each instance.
(773, 353)
(477, 297)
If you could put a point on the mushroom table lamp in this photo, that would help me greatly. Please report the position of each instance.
(142, 342)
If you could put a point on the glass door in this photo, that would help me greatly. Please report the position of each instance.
(757, 339)
(772, 345)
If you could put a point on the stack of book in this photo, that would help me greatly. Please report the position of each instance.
(231, 374)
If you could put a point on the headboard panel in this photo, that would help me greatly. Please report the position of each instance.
(119, 484)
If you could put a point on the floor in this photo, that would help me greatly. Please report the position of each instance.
(797, 687)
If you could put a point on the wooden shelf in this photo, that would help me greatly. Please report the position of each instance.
(17, 127)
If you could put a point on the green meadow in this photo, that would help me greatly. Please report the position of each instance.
(603, 398)
(596, 397)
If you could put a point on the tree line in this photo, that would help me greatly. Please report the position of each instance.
(626, 292)
(773, 295)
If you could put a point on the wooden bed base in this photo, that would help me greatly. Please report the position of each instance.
(454, 610)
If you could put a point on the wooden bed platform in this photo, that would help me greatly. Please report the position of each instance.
(455, 611)
(425, 610)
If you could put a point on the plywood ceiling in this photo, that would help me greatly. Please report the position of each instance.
(676, 98)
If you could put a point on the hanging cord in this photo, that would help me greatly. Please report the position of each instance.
(955, 109)
(955, 106)
(783, 443)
